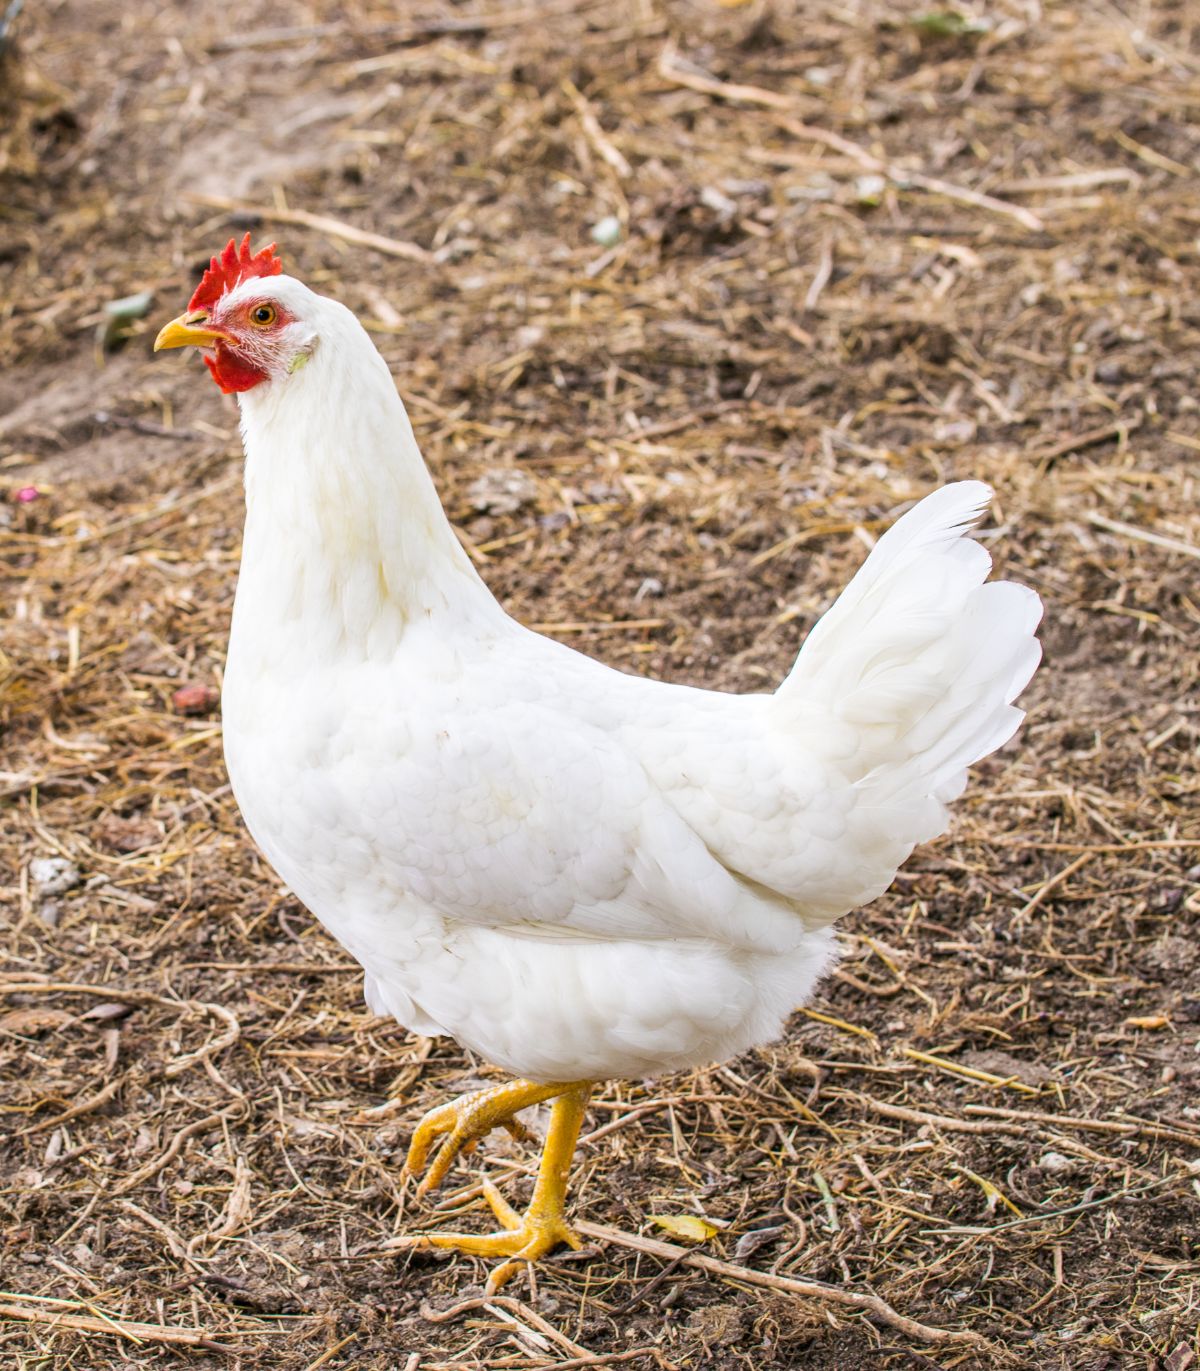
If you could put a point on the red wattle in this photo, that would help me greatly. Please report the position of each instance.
(233, 373)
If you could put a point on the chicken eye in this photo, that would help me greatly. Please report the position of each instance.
(263, 315)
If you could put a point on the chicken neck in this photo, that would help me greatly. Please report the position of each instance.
(346, 543)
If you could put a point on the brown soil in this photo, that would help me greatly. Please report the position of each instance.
(670, 451)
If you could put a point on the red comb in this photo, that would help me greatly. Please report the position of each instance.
(231, 268)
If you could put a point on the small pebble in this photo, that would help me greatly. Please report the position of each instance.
(720, 203)
(53, 876)
(1055, 1163)
(868, 190)
(195, 699)
(607, 232)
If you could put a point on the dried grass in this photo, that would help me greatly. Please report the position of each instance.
(670, 449)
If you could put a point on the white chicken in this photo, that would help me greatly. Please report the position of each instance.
(576, 873)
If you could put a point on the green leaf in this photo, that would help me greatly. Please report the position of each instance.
(948, 24)
(119, 315)
(130, 307)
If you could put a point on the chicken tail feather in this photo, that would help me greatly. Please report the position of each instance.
(914, 670)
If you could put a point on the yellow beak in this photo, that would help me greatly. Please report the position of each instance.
(189, 330)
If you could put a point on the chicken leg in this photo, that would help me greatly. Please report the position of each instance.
(522, 1237)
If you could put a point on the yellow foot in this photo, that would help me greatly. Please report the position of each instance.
(523, 1237)
(464, 1121)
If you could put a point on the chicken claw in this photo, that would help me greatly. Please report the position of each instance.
(468, 1119)
(523, 1237)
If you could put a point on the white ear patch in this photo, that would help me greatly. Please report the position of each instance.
(304, 353)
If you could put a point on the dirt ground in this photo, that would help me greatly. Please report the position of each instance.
(688, 301)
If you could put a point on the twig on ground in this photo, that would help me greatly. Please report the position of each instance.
(1027, 1219)
(595, 134)
(1091, 437)
(969, 1072)
(907, 176)
(88, 1106)
(58, 1317)
(320, 223)
(1143, 535)
(513, 1309)
(830, 1294)
(670, 70)
(1143, 1127)
(1048, 887)
(171, 1151)
(896, 1111)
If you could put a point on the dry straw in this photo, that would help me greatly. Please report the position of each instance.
(846, 256)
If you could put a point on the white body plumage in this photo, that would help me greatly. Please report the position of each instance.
(577, 873)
